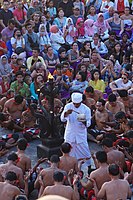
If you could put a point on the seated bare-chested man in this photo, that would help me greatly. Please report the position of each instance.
(8, 190)
(24, 161)
(10, 94)
(113, 105)
(100, 175)
(116, 188)
(127, 100)
(15, 106)
(28, 119)
(113, 155)
(62, 190)
(11, 166)
(90, 93)
(67, 162)
(46, 175)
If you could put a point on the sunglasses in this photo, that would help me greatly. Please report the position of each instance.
(124, 78)
(14, 58)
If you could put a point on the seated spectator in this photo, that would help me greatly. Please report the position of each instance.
(120, 6)
(36, 85)
(96, 82)
(106, 5)
(102, 27)
(86, 49)
(43, 36)
(19, 86)
(36, 21)
(34, 7)
(80, 29)
(89, 28)
(98, 45)
(60, 21)
(7, 32)
(80, 83)
(39, 69)
(5, 68)
(31, 39)
(52, 10)
(95, 60)
(115, 23)
(31, 61)
(56, 37)
(76, 14)
(69, 31)
(109, 13)
(3, 47)
(4, 85)
(51, 59)
(125, 42)
(18, 44)
(13, 63)
(62, 55)
(81, 5)
(110, 43)
(118, 53)
(121, 83)
(92, 13)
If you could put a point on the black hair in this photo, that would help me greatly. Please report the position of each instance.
(112, 33)
(11, 21)
(83, 75)
(22, 144)
(130, 123)
(18, 99)
(65, 147)
(123, 93)
(11, 176)
(16, 31)
(33, 106)
(36, 49)
(128, 67)
(93, 72)
(101, 156)
(89, 89)
(113, 169)
(12, 156)
(107, 142)
(59, 66)
(15, 136)
(19, 73)
(129, 134)
(2, 117)
(120, 115)
(0, 35)
(58, 176)
(112, 97)
(130, 149)
(61, 49)
(102, 101)
(54, 158)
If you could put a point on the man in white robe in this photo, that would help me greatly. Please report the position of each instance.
(76, 130)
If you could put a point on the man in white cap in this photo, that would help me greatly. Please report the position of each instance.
(76, 128)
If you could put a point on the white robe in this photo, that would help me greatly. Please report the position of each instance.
(76, 132)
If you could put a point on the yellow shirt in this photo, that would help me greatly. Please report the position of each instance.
(98, 85)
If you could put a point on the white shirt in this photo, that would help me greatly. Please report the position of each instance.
(19, 42)
(102, 49)
(76, 131)
(120, 84)
(106, 5)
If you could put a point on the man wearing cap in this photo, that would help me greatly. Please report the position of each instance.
(76, 14)
(76, 127)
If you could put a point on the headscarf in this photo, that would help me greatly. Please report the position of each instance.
(89, 27)
(42, 25)
(71, 30)
(80, 29)
(54, 29)
(4, 68)
(102, 26)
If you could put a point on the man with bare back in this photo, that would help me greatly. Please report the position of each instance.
(62, 190)
(114, 189)
(100, 175)
(67, 162)
(113, 155)
(15, 106)
(11, 166)
(8, 190)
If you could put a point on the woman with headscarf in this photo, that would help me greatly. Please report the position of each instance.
(102, 27)
(5, 68)
(69, 31)
(89, 28)
(43, 36)
(56, 37)
(80, 32)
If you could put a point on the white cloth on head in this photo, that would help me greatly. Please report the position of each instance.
(76, 97)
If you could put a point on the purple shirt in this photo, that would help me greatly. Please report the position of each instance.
(7, 33)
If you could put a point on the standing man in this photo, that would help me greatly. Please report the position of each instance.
(76, 128)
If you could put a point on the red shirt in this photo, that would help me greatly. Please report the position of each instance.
(3, 45)
(120, 6)
(19, 14)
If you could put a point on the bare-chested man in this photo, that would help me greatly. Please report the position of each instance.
(10, 94)
(15, 106)
(11, 166)
(100, 175)
(113, 155)
(24, 161)
(8, 190)
(62, 190)
(67, 162)
(46, 175)
(127, 101)
(116, 188)
(113, 105)
(90, 94)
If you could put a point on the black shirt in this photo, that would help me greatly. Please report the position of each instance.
(5, 16)
(67, 7)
